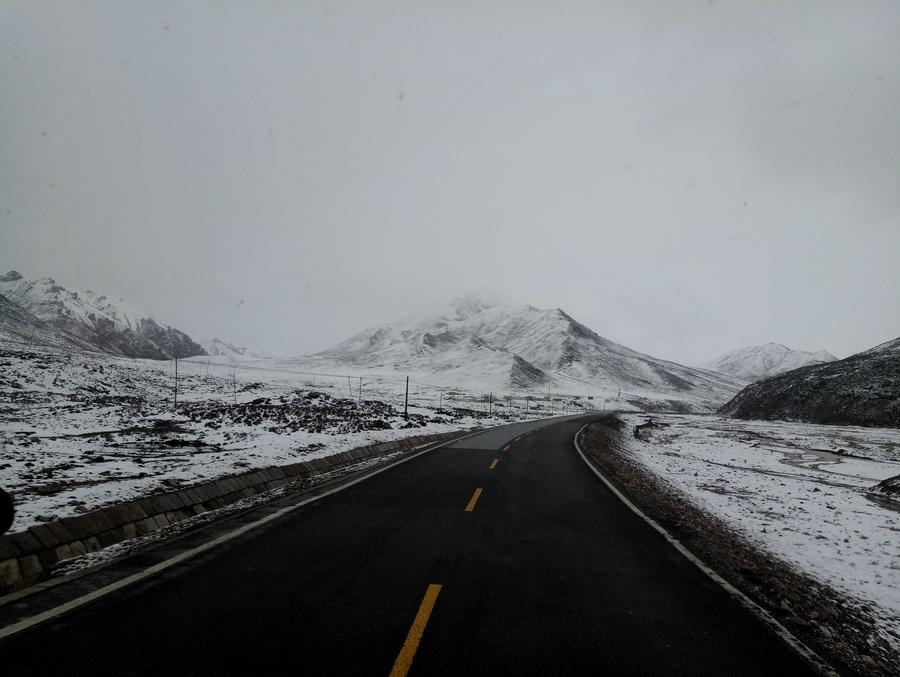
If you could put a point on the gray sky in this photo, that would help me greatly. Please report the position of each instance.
(683, 177)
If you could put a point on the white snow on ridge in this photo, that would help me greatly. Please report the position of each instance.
(216, 347)
(111, 325)
(795, 490)
(48, 301)
(892, 346)
(522, 348)
(755, 363)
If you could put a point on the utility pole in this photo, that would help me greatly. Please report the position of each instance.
(349, 386)
(491, 404)
(176, 383)
(207, 369)
(406, 400)
(359, 401)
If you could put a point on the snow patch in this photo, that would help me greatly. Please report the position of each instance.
(799, 491)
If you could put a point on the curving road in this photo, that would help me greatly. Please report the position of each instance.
(542, 571)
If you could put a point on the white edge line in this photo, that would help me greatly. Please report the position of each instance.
(817, 661)
(49, 614)
(41, 586)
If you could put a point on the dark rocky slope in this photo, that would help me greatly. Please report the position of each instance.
(104, 323)
(863, 389)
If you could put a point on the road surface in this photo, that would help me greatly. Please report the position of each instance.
(499, 554)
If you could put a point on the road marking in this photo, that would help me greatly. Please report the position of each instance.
(473, 500)
(494, 464)
(811, 656)
(506, 448)
(416, 630)
(66, 607)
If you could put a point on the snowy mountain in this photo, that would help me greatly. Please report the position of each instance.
(216, 347)
(108, 324)
(21, 329)
(769, 359)
(474, 342)
(863, 389)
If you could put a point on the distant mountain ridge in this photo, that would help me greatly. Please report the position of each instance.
(755, 363)
(216, 347)
(23, 329)
(519, 347)
(863, 389)
(108, 324)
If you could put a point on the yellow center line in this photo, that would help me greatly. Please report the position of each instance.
(494, 464)
(506, 448)
(473, 500)
(416, 630)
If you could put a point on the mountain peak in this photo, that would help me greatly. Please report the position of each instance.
(108, 324)
(456, 309)
(858, 390)
(475, 340)
(774, 344)
(473, 303)
(482, 300)
(754, 363)
(233, 352)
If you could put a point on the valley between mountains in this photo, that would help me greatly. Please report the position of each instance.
(96, 410)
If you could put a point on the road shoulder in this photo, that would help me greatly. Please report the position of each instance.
(815, 613)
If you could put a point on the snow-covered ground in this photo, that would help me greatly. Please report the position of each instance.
(795, 490)
(80, 430)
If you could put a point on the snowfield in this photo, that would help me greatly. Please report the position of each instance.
(798, 491)
(81, 430)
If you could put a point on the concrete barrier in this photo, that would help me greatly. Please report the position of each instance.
(27, 557)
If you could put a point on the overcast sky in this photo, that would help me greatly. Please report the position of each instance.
(685, 178)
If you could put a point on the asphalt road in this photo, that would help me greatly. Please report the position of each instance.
(544, 571)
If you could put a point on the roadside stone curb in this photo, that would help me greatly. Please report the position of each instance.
(27, 557)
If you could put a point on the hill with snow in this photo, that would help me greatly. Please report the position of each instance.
(22, 329)
(863, 389)
(473, 342)
(216, 347)
(755, 363)
(107, 324)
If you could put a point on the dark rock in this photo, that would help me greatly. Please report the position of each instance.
(863, 389)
